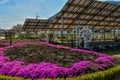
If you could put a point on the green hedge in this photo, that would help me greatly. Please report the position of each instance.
(9, 78)
(117, 56)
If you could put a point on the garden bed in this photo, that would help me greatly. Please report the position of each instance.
(42, 53)
(43, 60)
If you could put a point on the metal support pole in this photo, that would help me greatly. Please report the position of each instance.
(77, 43)
(62, 29)
(71, 38)
(119, 33)
(104, 30)
(36, 32)
(93, 29)
(54, 33)
(114, 32)
(26, 33)
(68, 37)
(45, 31)
(76, 38)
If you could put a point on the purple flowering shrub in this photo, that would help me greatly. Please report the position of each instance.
(49, 69)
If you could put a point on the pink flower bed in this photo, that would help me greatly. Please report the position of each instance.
(50, 70)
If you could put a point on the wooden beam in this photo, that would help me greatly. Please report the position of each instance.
(62, 29)
(86, 19)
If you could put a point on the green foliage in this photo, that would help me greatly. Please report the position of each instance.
(42, 36)
(108, 36)
(70, 36)
(28, 35)
(50, 36)
(117, 56)
(10, 35)
(20, 36)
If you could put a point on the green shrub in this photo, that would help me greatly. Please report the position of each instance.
(102, 75)
(9, 78)
(116, 56)
(42, 36)
(50, 36)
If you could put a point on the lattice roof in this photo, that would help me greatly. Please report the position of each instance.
(88, 12)
(36, 24)
(81, 12)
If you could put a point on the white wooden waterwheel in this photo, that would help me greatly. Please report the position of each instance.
(83, 35)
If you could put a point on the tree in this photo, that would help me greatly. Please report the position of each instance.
(9, 34)
(17, 28)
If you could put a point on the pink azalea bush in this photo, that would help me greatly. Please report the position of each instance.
(106, 59)
(50, 70)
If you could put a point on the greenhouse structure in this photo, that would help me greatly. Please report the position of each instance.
(92, 22)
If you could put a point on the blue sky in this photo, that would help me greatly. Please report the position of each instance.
(14, 12)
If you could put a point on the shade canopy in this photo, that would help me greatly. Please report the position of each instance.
(91, 13)
(36, 24)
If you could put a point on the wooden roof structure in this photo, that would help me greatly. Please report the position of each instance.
(91, 13)
(36, 24)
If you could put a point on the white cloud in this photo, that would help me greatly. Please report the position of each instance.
(4, 1)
